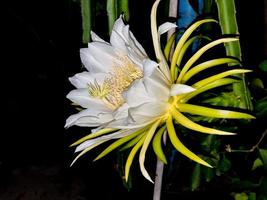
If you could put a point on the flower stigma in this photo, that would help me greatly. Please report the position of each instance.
(123, 74)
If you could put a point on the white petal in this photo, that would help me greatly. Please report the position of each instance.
(118, 42)
(156, 90)
(148, 112)
(163, 28)
(118, 25)
(81, 80)
(98, 57)
(149, 67)
(177, 89)
(96, 38)
(89, 118)
(82, 98)
(137, 94)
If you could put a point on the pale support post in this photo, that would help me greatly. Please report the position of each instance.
(160, 165)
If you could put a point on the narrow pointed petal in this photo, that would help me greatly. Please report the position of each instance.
(87, 150)
(81, 80)
(210, 112)
(184, 121)
(89, 118)
(142, 155)
(165, 27)
(96, 38)
(179, 145)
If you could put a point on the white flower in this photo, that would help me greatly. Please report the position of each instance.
(135, 100)
(112, 68)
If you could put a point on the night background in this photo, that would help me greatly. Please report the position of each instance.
(40, 50)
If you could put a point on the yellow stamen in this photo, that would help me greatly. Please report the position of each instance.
(118, 80)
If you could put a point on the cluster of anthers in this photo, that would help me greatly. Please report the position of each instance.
(134, 100)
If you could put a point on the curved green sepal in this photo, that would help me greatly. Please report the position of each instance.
(208, 64)
(179, 145)
(157, 145)
(142, 154)
(212, 85)
(182, 41)
(132, 155)
(93, 135)
(118, 143)
(184, 121)
(132, 142)
(216, 77)
(200, 52)
(210, 112)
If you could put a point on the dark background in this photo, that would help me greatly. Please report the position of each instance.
(40, 50)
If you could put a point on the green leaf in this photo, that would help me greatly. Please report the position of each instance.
(196, 177)
(241, 196)
(256, 164)
(263, 155)
(263, 66)
(223, 166)
(261, 107)
(208, 173)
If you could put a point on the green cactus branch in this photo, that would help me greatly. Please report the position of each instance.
(86, 20)
(228, 23)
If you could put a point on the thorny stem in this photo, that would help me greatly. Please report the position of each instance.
(256, 146)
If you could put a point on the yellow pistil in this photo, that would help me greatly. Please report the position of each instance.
(118, 80)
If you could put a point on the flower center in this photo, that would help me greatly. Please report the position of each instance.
(118, 80)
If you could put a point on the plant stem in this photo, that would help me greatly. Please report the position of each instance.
(112, 13)
(256, 146)
(86, 19)
(228, 23)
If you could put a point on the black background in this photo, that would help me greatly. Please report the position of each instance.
(40, 50)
